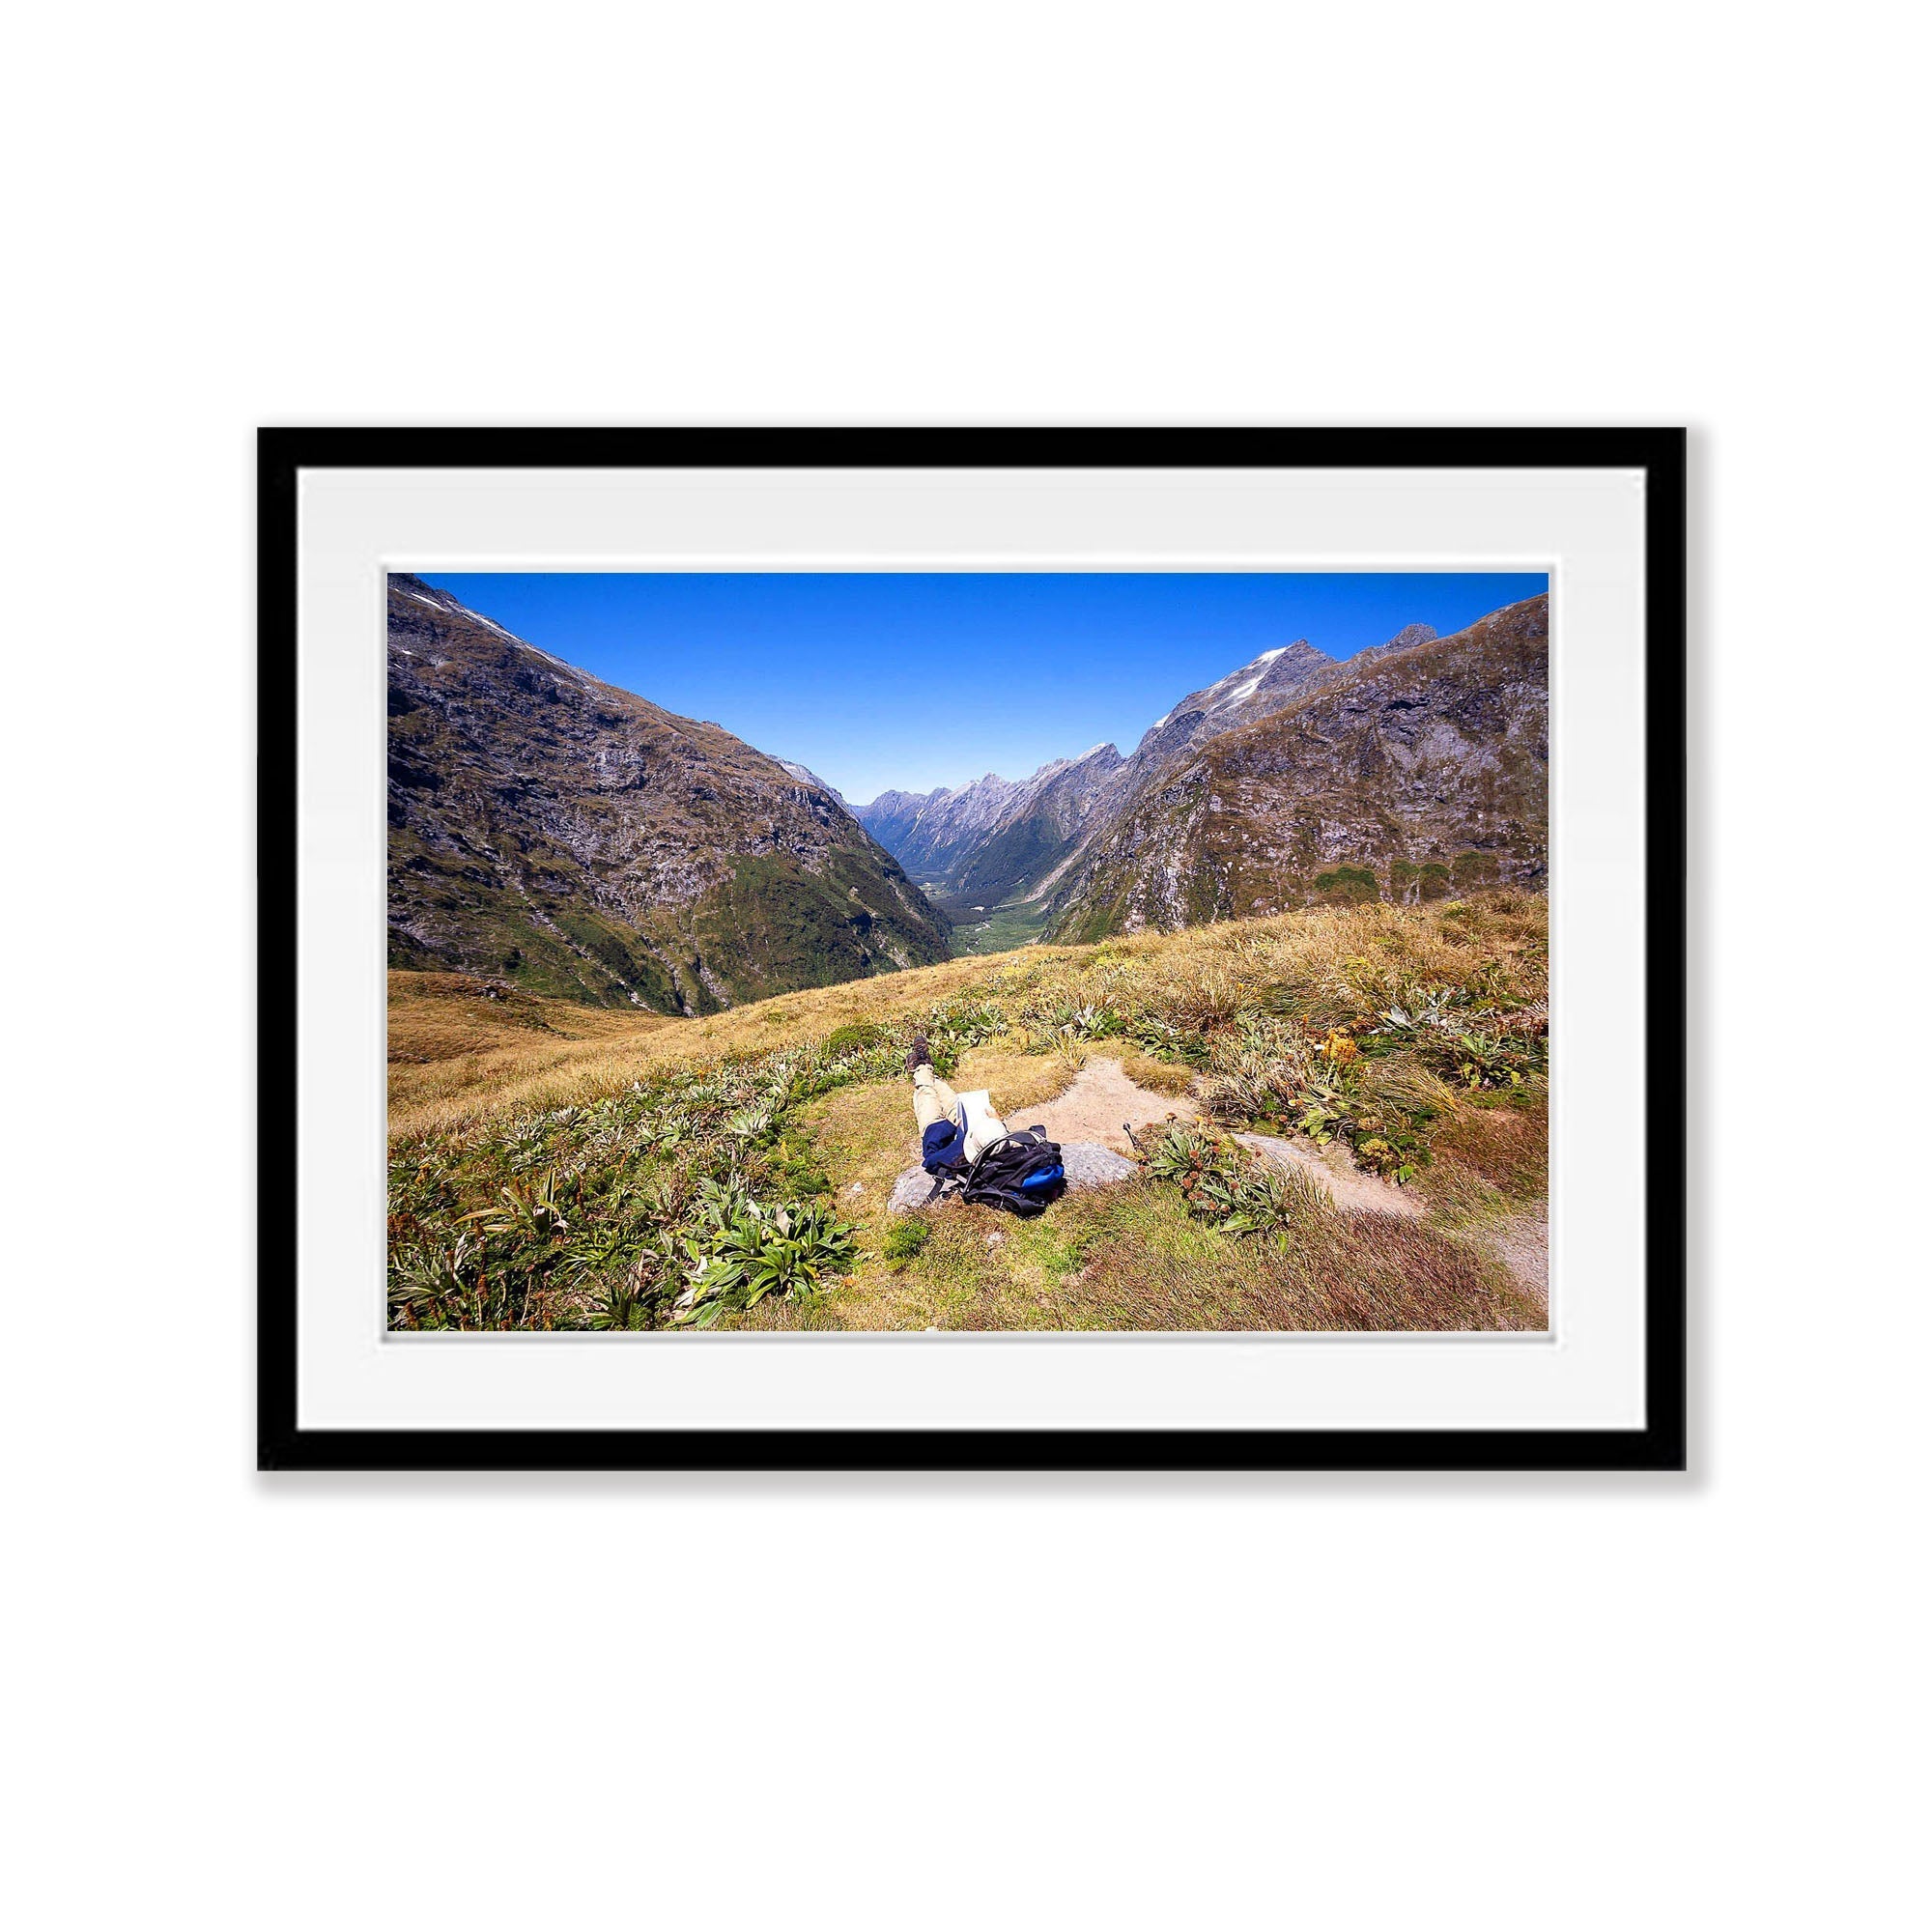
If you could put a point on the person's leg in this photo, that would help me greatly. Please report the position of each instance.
(932, 1100)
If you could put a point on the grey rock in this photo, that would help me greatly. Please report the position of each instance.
(1089, 1164)
(917, 1188)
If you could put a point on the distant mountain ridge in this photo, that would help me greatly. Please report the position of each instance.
(550, 828)
(1000, 839)
(1291, 778)
(1251, 691)
(932, 832)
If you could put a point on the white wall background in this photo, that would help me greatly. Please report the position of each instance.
(1522, 1703)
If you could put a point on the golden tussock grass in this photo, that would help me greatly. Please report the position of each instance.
(455, 1059)
(457, 1056)
(479, 1069)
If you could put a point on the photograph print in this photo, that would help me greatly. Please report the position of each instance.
(931, 953)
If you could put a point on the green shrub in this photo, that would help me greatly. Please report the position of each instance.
(800, 1176)
(1236, 1192)
(904, 1239)
(1410, 884)
(1349, 885)
(1063, 1011)
(745, 1252)
(857, 1038)
(1481, 1058)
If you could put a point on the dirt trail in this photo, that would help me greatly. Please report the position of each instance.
(1346, 1184)
(1102, 1097)
(1092, 1109)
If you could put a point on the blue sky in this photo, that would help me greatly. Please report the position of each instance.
(909, 682)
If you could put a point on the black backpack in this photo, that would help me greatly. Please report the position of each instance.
(1020, 1172)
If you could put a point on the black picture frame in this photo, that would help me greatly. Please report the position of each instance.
(1660, 1444)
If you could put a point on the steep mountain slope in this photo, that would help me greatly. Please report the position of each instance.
(1050, 813)
(1404, 772)
(991, 843)
(1001, 839)
(934, 832)
(553, 829)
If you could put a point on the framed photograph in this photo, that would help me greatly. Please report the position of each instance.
(989, 948)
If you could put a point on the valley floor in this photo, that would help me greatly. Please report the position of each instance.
(556, 1166)
(978, 930)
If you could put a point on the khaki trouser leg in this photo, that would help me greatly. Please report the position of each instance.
(932, 1100)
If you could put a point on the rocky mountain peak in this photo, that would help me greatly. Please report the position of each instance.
(1411, 634)
(804, 775)
(1251, 691)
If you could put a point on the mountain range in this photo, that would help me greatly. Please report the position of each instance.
(1415, 757)
(551, 828)
(1412, 770)
(998, 837)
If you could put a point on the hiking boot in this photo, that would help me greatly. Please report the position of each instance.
(919, 1055)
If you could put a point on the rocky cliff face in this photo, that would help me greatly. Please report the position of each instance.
(1412, 770)
(553, 829)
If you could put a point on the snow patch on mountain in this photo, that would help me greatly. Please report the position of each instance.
(804, 775)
